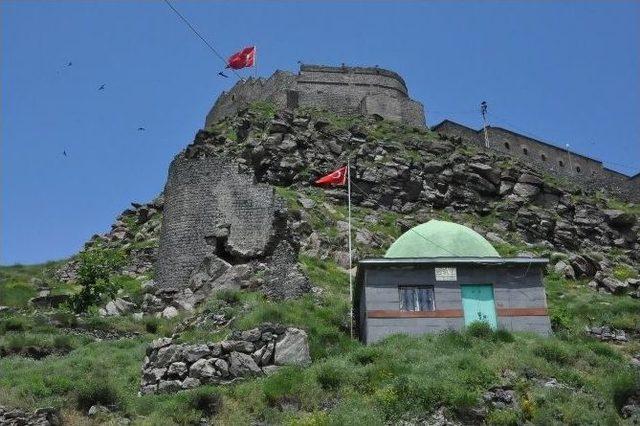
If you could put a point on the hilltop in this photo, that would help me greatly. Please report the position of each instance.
(588, 372)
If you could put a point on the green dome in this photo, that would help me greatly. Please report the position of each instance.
(441, 239)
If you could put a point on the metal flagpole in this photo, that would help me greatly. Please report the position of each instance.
(483, 109)
(350, 256)
(255, 61)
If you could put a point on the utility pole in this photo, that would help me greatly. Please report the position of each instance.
(483, 110)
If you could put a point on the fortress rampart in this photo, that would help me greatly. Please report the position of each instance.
(558, 161)
(343, 90)
(372, 90)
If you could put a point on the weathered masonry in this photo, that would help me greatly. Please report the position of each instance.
(211, 208)
(555, 160)
(343, 90)
(404, 293)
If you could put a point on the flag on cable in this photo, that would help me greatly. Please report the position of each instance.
(242, 59)
(337, 177)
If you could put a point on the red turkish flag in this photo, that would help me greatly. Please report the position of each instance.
(337, 177)
(242, 59)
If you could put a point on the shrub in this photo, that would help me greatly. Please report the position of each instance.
(622, 272)
(95, 267)
(63, 342)
(14, 324)
(151, 324)
(552, 351)
(503, 335)
(480, 329)
(560, 319)
(281, 384)
(206, 400)
(97, 390)
(366, 355)
(65, 318)
(329, 377)
(16, 342)
(228, 295)
(503, 418)
(622, 387)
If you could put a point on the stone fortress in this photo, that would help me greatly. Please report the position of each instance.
(373, 90)
(344, 90)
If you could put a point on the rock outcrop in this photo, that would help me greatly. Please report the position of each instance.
(40, 417)
(170, 367)
(135, 231)
(225, 227)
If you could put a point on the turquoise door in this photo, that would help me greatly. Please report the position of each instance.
(478, 304)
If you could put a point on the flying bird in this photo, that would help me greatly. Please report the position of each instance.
(101, 87)
(64, 153)
(141, 129)
(221, 74)
(69, 63)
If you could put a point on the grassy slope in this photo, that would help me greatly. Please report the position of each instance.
(348, 383)
(399, 377)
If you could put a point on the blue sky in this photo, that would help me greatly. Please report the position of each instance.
(566, 72)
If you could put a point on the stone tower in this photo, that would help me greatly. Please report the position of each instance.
(343, 90)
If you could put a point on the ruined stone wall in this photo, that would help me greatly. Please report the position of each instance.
(557, 161)
(243, 93)
(343, 90)
(207, 199)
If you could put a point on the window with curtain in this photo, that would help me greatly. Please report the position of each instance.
(417, 298)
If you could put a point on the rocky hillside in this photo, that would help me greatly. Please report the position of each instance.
(89, 364)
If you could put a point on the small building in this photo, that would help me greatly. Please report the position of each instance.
(444, 276)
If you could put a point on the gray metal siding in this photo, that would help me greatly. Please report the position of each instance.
(514, 286)
(379, 328)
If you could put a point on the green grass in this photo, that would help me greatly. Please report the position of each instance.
(574, 306)
(19, 283)
(622, 272)
(401, 377)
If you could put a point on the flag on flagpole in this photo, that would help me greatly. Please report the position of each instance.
(341, 177)
(242, 59)
(337, 177)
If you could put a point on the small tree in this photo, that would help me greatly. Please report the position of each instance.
(95, 267)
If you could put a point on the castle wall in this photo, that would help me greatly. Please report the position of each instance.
(557, 160)
(578, 168)
(206, 198)
(343, 90)
(243, 93)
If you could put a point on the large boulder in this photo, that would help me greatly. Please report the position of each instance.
(564, 269)
(242, 364)
(583, 266)
(292, 348)
(619, 219)
(526, 190)
(613, 285)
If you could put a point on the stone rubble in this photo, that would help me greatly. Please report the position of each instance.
(138, 224)
(170, 367)
(40, 417)
(500, 397)
(607, 334)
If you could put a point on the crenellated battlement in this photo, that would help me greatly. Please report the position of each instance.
(343, 90)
